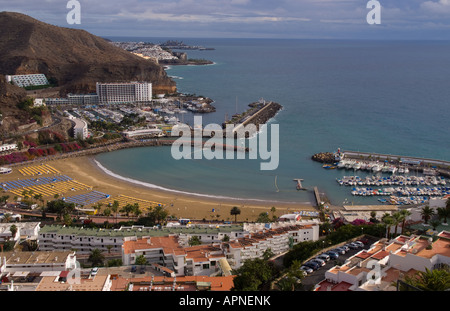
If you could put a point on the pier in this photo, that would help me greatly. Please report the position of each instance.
(317, 196)
(420, 164)
(258, 114)
(299, 184)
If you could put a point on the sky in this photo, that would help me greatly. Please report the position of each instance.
(302, 19)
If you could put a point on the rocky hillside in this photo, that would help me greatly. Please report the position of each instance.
(75, 58)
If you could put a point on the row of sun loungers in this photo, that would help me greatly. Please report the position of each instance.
(51, 189)
(87, 198)
(25, 183)
(38, 170)
(124, 200)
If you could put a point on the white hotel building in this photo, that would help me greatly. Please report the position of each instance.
(27, 80)
(122, 93)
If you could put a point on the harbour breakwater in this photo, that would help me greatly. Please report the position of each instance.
(258, 114)
(378, 162)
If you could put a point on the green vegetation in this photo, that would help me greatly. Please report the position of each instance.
(38, 87)
(36, 113)
(96, 258)
(254, 275)
(60, 207)
(194, 241)
(141, 260)
(430, 280)
(234, 212)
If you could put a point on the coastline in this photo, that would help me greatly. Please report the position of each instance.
(179, 203)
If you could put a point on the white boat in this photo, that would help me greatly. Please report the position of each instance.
(376, 168)
(341, 164)
(5, 170)
(392, 169)
(357, 166)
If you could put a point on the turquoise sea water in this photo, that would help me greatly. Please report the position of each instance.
(374, 96)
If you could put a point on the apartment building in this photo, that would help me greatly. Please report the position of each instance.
(379, 267)
(80, 128)
(218, 255)
(123, 93)
(177, 260)
(25, 230)
(278, 237)
(74, 99)
(27, 80)
(35, 262)
(84, 240)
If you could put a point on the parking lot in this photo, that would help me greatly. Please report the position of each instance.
(312, 279)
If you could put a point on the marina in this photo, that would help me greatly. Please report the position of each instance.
(394, 180)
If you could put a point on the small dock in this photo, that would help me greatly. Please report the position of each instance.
(299, 184)
(317, 196)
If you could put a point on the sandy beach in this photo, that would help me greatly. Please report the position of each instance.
(85, 170)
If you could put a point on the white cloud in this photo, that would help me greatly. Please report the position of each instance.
(440, 7)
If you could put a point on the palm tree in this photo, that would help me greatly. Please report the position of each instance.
(398, 218)
(434, 223)
(388, 221)
(13, 230)
(426, 213)
(430, 280)
(405, 214)
(235, 211)
(96, 257)
(443, 213)
(273, 210)
(115, 208)
(107, 213)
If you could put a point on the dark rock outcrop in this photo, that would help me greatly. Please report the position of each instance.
(324, 157)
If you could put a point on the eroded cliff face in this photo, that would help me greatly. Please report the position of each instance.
(75, 58)
(11, 117)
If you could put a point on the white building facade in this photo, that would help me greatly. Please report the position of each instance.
(123, 93)
(27, 80)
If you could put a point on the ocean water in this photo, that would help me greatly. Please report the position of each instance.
(374, 96)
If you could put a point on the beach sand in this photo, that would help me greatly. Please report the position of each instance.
(85, 170)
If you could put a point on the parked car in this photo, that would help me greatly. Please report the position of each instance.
(345, 247)
(319, 261)
(306, 269)
(142, 270)
(324, 257)
(311, 264)
(364, 241)
(359, 243)
(353, 245)
(94, 271)
(332, 254)
(339, 250)
(133, 269)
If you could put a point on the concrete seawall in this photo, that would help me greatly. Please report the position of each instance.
(416, 163)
